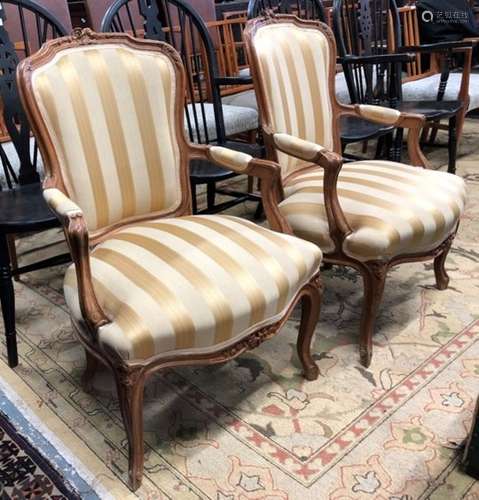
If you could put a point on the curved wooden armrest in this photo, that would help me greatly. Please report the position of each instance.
(393, 117)
(472, 40)
(331, 163)
(76, 232)
(402, 57)
(234, 80)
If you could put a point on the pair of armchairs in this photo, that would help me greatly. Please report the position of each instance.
(154, 287)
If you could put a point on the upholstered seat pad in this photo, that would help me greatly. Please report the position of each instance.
(190, 283)
(426, 89)
(237, 119)
(393, 209)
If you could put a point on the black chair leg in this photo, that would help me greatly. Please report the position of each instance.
(379, 147)
(452, 145)
(210, 195)
(7, 299)
(193, 198)
(396, 152)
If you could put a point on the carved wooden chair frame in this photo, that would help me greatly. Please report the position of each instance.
(130, 377)
(373, 272)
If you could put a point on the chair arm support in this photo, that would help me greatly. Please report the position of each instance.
(76, 233)
(332, 163)
(393, 117)
(267, 171)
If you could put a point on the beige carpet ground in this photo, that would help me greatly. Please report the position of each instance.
(253, 428)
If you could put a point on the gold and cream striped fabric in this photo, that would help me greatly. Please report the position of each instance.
(109, 111)
(294, 66)
(392, 208)
(190, 283)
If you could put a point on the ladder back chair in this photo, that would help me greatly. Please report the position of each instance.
(369, 215)
(152, 286)
(368, 35)
(208, 121)
(24, 27)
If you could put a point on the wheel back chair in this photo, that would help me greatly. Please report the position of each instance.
(369, 215)
(208, 121)
(368, 35)
(24, 26)
(152, 286)
(353, 129)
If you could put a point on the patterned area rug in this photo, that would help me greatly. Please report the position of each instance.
(253, 428)
(24, 472)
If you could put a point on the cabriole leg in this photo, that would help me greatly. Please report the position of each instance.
(374, 278)
(311, 304)
(130, 384)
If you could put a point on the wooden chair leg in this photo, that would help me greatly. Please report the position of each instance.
(91, 368)
(130, 384)
(452, 145)
(442, 278)
(311, 304)
(374, 278)
(7, 299)
(13, 255)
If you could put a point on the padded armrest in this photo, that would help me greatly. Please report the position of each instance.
(379, 114)
(60, 203)
(233, 160)
(384, 115)
(299, 148)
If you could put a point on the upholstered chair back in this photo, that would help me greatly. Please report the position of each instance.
(112, 113)
(294, 71)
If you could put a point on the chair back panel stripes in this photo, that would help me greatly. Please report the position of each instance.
(293, 65)
(110, 112)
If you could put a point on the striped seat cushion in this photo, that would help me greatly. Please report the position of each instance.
(392, 208)
(190, 283)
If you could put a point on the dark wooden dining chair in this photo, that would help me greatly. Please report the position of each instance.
(208, 121)
(22, 208)
(368, 35)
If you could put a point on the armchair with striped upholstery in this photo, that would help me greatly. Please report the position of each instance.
(369, 215)
(152, 286)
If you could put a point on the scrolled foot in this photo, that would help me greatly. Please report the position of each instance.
(365, 356)
(135, 479)
(311, 372)
(442, 278)
(311, 304)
